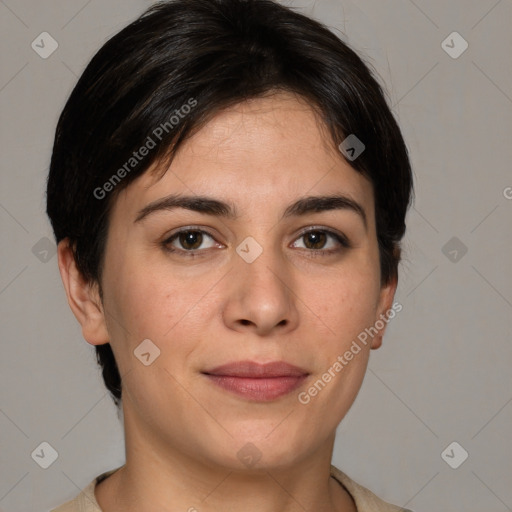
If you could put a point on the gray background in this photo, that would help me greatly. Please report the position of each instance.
(443, 373)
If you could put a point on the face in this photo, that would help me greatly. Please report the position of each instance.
(252, 279)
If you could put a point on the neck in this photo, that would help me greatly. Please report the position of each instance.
(169, 478)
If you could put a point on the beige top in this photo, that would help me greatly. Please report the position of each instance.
(365, 500)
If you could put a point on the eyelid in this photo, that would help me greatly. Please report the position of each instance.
(185, 229)
(340, 237)
(169, 238)
(342, 240)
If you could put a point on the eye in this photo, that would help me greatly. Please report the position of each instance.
(189, 240)
(322, 240)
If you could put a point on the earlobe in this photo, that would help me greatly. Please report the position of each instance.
(83, 297)
(377, 341)
(386, 297)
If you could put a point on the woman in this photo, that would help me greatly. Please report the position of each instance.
(228, 191)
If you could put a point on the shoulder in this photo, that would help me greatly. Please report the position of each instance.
(86, 500)
(364, 499)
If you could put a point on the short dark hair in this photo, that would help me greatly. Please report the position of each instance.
(210, 55)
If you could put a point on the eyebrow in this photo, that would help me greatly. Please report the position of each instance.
(201, 204)
(211, 206)
(315, 204)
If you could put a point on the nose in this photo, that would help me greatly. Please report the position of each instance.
(261, 298)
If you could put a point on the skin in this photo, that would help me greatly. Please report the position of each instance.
(295, 302)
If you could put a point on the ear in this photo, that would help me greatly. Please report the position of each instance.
(387, 293)
(83, 297)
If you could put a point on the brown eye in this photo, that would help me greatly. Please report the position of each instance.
(322, 241)
(190, 239)
(315, 239)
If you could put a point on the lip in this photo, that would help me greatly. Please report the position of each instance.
(253, 370)
(258, 382)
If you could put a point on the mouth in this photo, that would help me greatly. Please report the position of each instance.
(257, 382)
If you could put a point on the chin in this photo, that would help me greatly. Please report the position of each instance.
(261, 451)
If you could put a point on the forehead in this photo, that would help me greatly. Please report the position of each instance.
(269, 149)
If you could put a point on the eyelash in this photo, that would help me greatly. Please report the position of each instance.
(341, 239)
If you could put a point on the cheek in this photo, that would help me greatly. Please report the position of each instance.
(148, 301)
(346, 304)
(346, 308)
